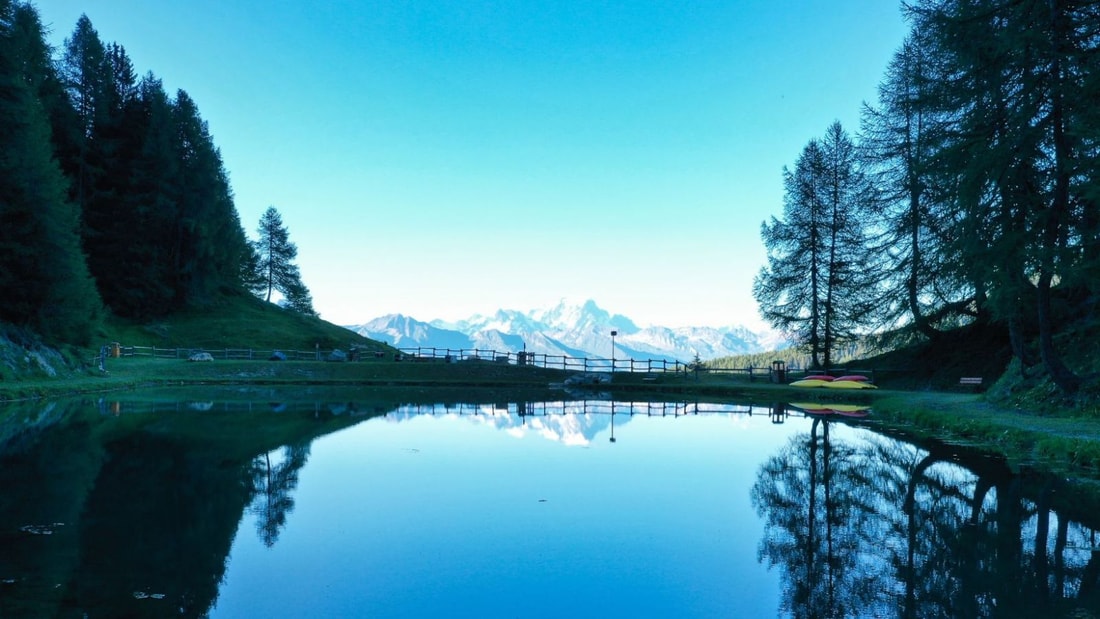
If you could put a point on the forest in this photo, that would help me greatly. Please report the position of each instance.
(968, 195)
(113, 195)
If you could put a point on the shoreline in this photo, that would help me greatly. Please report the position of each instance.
(1063, 443)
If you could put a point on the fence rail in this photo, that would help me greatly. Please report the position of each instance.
(235, 354)
(542, 360)
(452, 355)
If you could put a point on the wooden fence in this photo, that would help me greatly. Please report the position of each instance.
(542, 360)
(445, 355)
(237, 354)
(450, 355)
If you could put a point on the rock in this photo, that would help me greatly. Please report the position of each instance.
(337, 355)
(201, 356)
(591, 378)
(278, 355)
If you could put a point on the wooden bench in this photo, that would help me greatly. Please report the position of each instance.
(974, 382)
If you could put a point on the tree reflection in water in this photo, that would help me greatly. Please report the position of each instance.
(273, 486)
(880, 527)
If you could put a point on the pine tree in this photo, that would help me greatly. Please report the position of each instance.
(789, 289)
(1023, 154)
(84, 73)
(44, 278)
(209, 243)
(818, 285)
(252, 277)
(276, 264)
(898, 139)
(299, 299)
(143, 276)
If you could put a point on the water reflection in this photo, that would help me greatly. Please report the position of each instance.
(272, 485)
(128, 507)
(142, 507)
(575, 422)
(881, 527)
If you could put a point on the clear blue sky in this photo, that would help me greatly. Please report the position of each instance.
(446, 158)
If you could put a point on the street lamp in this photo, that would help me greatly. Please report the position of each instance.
(612, 421)
(613, 334)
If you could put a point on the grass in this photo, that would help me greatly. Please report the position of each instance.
(133, 372)
(1064, 443)
(239, 321)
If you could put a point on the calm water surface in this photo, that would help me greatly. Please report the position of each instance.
(315, 503)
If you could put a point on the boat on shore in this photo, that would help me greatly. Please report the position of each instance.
(851, 381)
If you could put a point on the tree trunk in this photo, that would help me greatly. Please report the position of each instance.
(1057, 219)
(1060, 373)
(1018, 339)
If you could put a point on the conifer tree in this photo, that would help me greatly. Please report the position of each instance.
(299, 299)
(276, 264)
(1022, 93)
(899, 137)
(209, 242)
(84, 73)
(44, 278)
(789, 289)
(819, 285)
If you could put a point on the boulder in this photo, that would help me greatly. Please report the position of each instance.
(201, 356)
(591, 378)
(337, 355)
(278, 355)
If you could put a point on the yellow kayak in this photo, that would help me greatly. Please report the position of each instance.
(848, 384)
(810, 382)
(844, 410)
(849, 408)
(812, 407)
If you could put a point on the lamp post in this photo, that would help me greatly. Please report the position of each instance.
(612, 421)
(613, 334)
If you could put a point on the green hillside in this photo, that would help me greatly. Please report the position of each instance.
(235, 321)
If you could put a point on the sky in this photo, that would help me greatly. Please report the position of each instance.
(443, 158)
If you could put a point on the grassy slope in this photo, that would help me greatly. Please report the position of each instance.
(976, 350)
(1025, 417)
(236, 322)
(1022, 414)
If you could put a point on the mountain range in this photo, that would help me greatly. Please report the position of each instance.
(570, 329)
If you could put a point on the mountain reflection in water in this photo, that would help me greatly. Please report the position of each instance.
(253, 502)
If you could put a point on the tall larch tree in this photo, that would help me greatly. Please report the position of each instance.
(790, 288)
(44, 279)
(209, 244)
(818, 285)
(85, 76)
(1023, 92)
(898, 138)
(852, 270)
(276, 268)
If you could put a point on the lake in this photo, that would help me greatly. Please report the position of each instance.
(264, 502)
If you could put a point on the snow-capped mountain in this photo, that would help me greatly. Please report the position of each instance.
(568, 423)
(575, 330)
